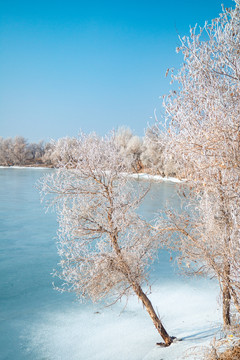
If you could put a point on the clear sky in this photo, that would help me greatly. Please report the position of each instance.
(67, 65)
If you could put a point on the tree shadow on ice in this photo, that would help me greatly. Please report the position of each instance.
(202, 334)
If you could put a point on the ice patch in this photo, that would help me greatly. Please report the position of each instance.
(188, 311)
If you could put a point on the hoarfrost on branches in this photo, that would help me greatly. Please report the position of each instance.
(204, 132)
(104, 245)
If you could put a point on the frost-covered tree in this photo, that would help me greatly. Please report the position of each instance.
(13, 151)
(62, 151)
(104, 245)
(6, 148)
(19, 150)
(35, 150)
(204, 133)
(47, 156)
(130, 146)
(153, 153)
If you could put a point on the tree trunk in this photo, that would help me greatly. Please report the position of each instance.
(226, 297)
(139, 292)
(157, 322)
(235, 300)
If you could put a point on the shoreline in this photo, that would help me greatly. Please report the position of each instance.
(149, 177)
(25, 167)
(137, 176)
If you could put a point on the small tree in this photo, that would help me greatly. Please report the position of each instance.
(35, 151)
(130, 147)
(47, 156)
(19, 150)
(105, 247)
(153, 153)
(6, 152)
(204, 136)
(62, 151)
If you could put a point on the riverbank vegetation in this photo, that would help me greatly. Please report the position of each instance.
(145, 154)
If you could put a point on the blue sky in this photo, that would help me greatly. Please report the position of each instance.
(90, 65)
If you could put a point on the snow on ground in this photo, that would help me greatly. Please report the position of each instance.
(148, 177)
(139, 176)
(189, 311)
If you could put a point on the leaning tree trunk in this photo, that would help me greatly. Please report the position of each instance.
(126, 270)
(142, 296)
(157, 322)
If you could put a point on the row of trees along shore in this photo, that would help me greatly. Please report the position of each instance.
(144, 154)
(105, 246)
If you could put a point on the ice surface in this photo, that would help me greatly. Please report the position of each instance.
(189, 311)
(38, 323)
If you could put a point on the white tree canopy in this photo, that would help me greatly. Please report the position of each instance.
(204, 137)
(104, 245)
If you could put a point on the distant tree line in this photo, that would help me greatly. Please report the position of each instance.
(18, 151)
(144, 154)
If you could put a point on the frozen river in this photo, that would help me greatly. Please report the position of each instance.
(37, 322)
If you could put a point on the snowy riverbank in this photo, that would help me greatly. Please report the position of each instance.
(138, 176)
(149, 177)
